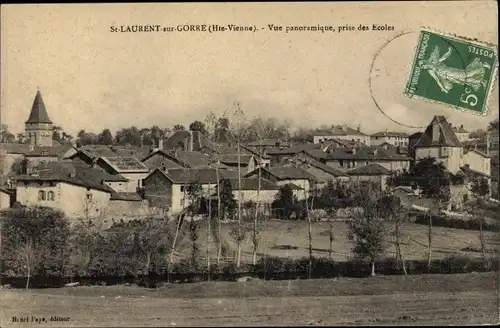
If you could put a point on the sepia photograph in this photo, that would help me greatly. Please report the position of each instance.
(249, 164)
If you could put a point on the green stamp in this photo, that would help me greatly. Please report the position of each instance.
(453, 71)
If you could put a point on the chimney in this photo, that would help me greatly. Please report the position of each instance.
(461, 126)
(160, 144)
(344, 127)
(31, 147)
(358, 128)
(72, 174)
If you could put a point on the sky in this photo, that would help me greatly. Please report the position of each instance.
(92, 79)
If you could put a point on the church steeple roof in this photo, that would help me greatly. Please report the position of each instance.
(38, 112)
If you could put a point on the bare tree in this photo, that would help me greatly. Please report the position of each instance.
(262, 132)
(481, 190)
(238, 131)
(391, 208)
(27, 253)
(366, 229)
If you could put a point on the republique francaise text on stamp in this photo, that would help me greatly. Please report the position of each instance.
(452, 71)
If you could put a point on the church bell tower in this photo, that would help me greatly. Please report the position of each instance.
(38, 127)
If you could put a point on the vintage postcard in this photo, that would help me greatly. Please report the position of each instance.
(249, 164)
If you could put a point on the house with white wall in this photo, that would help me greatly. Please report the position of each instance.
(391, 137)
(342, 132)
(440, 142)
(74, 188)
(168, 188)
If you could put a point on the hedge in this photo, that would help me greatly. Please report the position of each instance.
(271, 268)
(447, 222)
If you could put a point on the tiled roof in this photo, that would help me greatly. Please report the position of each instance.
(38, 112)
(267, 143)
(233, 158)
(203, 176)
(96, 151)
(57, 151)
(290, 173)
(390, 134)
(189, 159)
(339, 130)
(128, 196)
(294, 149)
(316, 153)
(179, 138)
(125, 164)
(327, 169)
(370, 169)
(446, 136)
(84, 175)
(366, 153)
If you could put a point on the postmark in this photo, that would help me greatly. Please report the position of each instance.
(453, 71)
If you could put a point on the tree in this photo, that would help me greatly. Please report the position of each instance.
(105, 137)
(480, 189)
(151, 243)
(228, 202)
(260, 132)
(178, 127)
(59, 135)
(330, 196)
(86, 138)
(194, 192)
(366, 229)
(434, 181)
(391, 209)
(198, 126)
(34, 239)
(19, 166)
(284, 202)
(237, 132)
(5, 135)
(131, 136)
(84, 246)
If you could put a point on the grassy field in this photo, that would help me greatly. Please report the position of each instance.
(395, 300)
(290, 239)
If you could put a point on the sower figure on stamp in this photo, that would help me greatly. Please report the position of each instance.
(445, 77)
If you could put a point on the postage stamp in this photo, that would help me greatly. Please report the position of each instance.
(453, 71)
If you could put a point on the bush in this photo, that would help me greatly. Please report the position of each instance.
(455, 223)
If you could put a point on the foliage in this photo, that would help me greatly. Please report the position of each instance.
(480, 187)
(287, 205)
(42, 231)
(367, 232)
(5, 135)
(228, 203)
(105, 137)
(178, 127)
(19, 166)
(198, 126)
(442, 220)
(59, 135)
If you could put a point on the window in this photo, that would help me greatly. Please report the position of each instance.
(182, 188)
(41, 195)
(50, 195)
(341, 162)
(89, 196)
(182, 201)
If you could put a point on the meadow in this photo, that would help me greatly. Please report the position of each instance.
(289, 239)
(392, 300)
